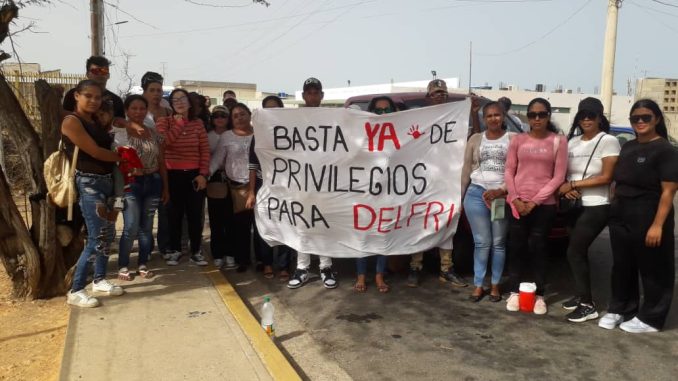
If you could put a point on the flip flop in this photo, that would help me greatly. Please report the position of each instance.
(268, 272)
(284, 276)
(383, 288)
(145, 273)
(124, 274)
(360, 287)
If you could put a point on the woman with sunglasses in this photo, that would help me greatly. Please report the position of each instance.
(378, 105)
(484, 192)
(641, 225)
(145, 193)
(232, 154)
(187, 159)
(255, 182)
(536, 165)
(592, 157)
(94, 182)
(218, 201)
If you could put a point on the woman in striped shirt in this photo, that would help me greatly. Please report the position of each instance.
(187, 158)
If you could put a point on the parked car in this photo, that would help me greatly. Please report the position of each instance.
(412, 100)
(626, 133)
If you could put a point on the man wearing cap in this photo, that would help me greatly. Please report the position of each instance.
(312, 95)
(506, 102)
(437, 94)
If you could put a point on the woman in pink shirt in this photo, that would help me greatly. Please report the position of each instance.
(536, 165)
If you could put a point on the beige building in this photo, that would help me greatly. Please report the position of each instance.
(664, 91)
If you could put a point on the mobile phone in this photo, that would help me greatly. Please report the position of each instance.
(497, 209)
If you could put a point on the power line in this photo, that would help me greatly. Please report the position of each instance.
(570, 17)
(131, 15)
(263, 2)
(665, 3)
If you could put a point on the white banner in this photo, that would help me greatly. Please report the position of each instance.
(347, 183)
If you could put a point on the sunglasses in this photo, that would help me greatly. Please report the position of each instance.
(99, 70)
(540, 115)
(219, 115)
(587, 115)
(385, 110)
(646, 118)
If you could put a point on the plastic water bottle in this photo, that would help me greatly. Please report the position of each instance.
(267, 317)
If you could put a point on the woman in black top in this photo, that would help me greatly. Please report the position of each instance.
(95, 187)
(641, 225)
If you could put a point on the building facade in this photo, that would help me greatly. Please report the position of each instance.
(664, 91)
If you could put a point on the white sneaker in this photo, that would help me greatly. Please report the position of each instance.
(198, 259)
(173, 258)
(540, 306)
(81, 299)
(218, 263)
(230, 263)
(610, 321)
(105, 287)
(635, 325)
(513, 302)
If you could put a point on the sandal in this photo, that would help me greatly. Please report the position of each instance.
(268, 272)
(477, 294)
(284, 276)
(360, 285)
(124, 274)
(145, 273)
(382, 286)
(495, 295)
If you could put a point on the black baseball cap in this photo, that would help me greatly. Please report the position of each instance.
(313, 83)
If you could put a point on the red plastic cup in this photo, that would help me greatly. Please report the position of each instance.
(527, 296)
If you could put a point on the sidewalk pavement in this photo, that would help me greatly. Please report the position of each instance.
(186, 323)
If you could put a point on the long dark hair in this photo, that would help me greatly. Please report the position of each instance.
(654, 107)
(551, 127)
(373, 103)
(275, 98)
(134, 97)
(500, 107)
(575, 130)
(191, 111)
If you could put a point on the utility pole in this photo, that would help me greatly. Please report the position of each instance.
(470, 64)
(97, 25)
(609, 48)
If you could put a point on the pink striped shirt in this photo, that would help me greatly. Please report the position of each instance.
(186, 145)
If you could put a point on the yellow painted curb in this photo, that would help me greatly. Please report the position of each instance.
(274, 361)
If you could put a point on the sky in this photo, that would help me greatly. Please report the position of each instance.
(558, 43)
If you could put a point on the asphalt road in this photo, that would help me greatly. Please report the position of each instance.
(433, 332)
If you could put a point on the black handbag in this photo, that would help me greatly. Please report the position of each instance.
(567, 205)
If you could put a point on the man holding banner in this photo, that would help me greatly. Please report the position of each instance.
(347, 183)
(437, 94)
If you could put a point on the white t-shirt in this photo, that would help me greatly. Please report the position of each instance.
(232, 153)
(578, 155)
(490, 172)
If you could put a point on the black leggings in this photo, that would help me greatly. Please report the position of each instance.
(528, 252)
(630, 220)
(185, 201)
(584, 228)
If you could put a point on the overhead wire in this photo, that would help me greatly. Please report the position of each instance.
(540, 38)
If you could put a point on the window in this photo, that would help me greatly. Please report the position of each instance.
(666, 100)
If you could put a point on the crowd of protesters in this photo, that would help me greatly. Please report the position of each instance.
(513, 185)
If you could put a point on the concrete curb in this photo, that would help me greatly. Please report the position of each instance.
(271, 356)
(69, 338)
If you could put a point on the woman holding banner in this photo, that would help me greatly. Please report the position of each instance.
(484, 194)
(232, 154)
(378, 105)
(536, 165)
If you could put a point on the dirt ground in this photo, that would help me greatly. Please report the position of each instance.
(31, 336)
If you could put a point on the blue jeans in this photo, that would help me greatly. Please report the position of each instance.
(140, 206)
(94, 192)
(361, 264)
(487, 235)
